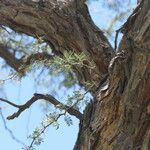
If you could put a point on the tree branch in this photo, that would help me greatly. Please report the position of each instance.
(48, 98)
(10, 103)
(17, 64)
(66, 26)
(10, 59)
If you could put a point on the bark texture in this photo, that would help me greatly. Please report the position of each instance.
(118, 118)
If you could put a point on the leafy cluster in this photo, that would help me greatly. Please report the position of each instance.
(61, 66)
(36, 137)
(69, 61)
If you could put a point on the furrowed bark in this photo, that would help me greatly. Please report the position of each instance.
(119, 117)
(66, 26)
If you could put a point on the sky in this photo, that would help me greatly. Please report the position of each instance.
(61, 139)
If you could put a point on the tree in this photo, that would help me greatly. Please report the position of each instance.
(118, 116)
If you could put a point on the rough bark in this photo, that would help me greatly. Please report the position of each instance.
(119, 116)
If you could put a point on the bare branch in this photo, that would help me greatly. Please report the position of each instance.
(10, 103)
(48, 98)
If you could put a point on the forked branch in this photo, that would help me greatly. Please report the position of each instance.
(37, 97)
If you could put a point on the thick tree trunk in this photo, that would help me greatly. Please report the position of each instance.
(119, 116)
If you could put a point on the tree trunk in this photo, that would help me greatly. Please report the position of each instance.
(118, 118)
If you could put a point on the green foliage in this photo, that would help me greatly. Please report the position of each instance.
(89, 84)
(77, 100)
(60, 66)
(68, 120)
(69, 80)
(75, 97)
(68, 61)
(36, 137)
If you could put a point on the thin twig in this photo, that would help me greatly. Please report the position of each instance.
(43, 130)
(116, 37)
(10, 103)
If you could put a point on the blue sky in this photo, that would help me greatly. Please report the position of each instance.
(31, 118)
(62, 139)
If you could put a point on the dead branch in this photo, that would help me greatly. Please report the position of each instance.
(48, 98)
